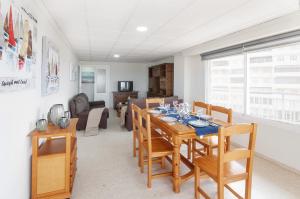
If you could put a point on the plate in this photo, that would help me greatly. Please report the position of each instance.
(205, 117)
(156, 112)
(168, 119)
(198, 123)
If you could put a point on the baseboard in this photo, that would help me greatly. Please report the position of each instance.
(284, 166)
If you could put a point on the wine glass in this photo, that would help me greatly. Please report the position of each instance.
(167, 107)
(181, 114)
(187, 110)
(161, 104)
(175, 103)
(199, 113)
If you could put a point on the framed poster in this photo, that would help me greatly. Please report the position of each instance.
(18, 37)
(50, 68)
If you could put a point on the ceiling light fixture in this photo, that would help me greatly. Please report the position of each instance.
(142, 28)
(116, 55)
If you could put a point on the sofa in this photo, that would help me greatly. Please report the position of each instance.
(80, 107)
(142, 104)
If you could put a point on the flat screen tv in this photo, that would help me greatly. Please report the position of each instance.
(125, 86)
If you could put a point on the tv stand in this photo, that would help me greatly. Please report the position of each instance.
(122, 97)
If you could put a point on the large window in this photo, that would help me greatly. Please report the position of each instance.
(263, 83)
(226, 82)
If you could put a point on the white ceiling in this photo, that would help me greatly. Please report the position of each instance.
(98, 29)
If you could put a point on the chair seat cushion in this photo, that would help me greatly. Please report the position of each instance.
(209, 164)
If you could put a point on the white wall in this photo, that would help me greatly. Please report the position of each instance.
(136, 72)
(275, 140)
(20, 110)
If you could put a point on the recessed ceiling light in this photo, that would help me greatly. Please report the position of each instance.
(142, 28)
(116, 55)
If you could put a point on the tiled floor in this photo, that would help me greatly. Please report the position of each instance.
(107, 170)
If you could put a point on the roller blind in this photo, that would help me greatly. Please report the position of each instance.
(267, 42)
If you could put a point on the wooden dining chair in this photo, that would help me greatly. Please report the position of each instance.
(226, 168)
(158, 148)
(202, 105)
(152, 101)
(227, 112)
(211, 142)
(203, 150)
(136, 111)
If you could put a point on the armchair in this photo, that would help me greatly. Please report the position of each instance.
(80, 108)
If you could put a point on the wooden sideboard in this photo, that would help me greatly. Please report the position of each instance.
(123, 97)
(54, 161)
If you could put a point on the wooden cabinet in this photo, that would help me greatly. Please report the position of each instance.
(161, 80)
(54, 161)
(123, 97)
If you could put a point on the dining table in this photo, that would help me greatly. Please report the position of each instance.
(177, 132)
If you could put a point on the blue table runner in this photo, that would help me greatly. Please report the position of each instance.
(200, 131)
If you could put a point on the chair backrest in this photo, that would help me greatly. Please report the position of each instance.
(223, 110)
(135, 117)
(157, 101)
(145, 128)
(238, 153)
(202, 105)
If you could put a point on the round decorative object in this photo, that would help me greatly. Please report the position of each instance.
(63, 122)
(41, 125)
(67, 114)
(55, 113)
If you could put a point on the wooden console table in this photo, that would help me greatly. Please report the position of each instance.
(123, 97)
(54, 162)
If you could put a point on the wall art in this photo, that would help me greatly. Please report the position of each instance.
(50, 68)
(18, 38)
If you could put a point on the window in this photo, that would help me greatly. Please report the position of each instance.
(264, 83)
(226, 82)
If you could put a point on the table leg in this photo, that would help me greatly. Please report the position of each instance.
(176, 164)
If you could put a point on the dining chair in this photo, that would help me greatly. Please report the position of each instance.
(227, 112)
(158, 148)
(203, 150)
(226, 167)
(136, 111)
(152, 101)
(211, 142)
(202, 105)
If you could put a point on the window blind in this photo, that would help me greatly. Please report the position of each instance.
(267, 42)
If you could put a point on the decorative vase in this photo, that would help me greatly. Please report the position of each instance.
(41, 125)
(63, 122)
(67, 114)
(55, 113)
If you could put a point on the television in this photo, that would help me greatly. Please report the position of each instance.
(125, 86)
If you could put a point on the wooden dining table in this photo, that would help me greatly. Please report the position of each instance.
(178, 132)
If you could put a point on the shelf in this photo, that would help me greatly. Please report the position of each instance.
(55, 146)
(160, 80)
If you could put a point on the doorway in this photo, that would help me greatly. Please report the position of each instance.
(94, 82)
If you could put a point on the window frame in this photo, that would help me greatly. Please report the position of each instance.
(245, 112)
